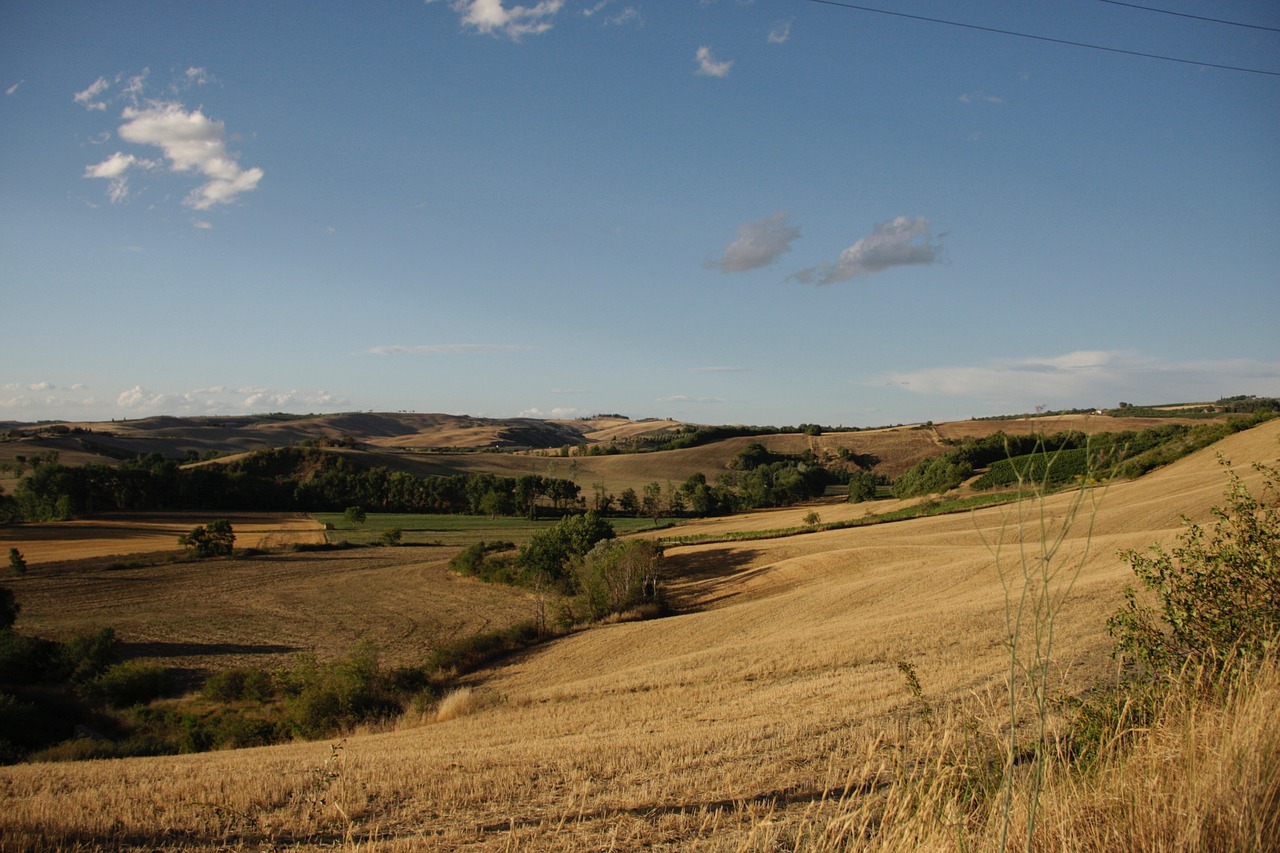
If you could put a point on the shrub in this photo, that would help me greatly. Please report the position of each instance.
(392, 536)
(130, 683)
(88, 655)
(355, 514)
(489, 561)
(235, 685)
(17, 562)
(327, 697)
(9, 608)
(1218, 592)
(213, 540)
(616, 575)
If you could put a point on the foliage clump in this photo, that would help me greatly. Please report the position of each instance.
(616, 576)
(1217, 593)
(216, 539)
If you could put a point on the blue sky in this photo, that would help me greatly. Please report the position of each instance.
(766, 212)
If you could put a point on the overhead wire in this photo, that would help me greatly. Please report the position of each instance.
(1068, 42)
(1192, 17)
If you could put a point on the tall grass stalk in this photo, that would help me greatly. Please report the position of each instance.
(1037, 574)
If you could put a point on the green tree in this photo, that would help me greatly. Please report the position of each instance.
(392, 536)
(355, 514)
(862, 487)
(17, 562)
(629, 502)
(651, 504)
(616, 575)
(213, 540)
(549, 551)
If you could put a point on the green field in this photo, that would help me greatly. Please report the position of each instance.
(455, 529)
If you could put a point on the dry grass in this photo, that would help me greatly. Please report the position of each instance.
(262, 611)
(126, 534)
(736, 725)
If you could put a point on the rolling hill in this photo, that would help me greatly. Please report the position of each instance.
(728, 726)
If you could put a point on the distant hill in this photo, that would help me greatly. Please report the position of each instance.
(436, 443)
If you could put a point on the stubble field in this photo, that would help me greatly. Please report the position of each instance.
(734, 725)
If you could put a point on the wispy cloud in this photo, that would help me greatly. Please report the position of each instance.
(980, 98)
(139, 400)
(493, 17)
(780, 33)
(758, 244)
(904, 241)
(555, 413)
(88, 97)
(625, 15)
(709, 66)
(444, 349)
(685, 398)
(189, 142)
(1090, 377)
(14, 88)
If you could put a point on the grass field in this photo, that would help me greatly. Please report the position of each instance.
(457, 530)
(740, 724)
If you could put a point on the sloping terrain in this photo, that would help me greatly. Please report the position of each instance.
(778, 683)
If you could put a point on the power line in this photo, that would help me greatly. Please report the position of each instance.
(1193, 17)
(1068, 42)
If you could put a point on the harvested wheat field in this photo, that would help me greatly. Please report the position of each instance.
(262, 611)
(123, 534)
(729, 726)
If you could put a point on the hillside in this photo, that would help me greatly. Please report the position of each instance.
(720, 728)
(434, 444)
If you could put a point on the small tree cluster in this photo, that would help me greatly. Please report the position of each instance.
(615, 576)
(216, 539)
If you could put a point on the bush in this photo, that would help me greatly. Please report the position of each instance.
(17, 563)
(489, 561)
(214, 540)
(236, 685)
(325, 698)
(615, 576)
(9, 608)
(130, 683)
(1218, 592)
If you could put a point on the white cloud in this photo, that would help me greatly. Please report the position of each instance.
(758, 244)
(41, 386)
(443, 349)
(556, 413)
(89, 97)
(10, 90)
(492, 16)
(191, 142)
(112, 167)
(1089, 378)
(709, 66)
(904, 241)
(780, 33)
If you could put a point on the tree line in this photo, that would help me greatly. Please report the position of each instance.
(311, 479)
